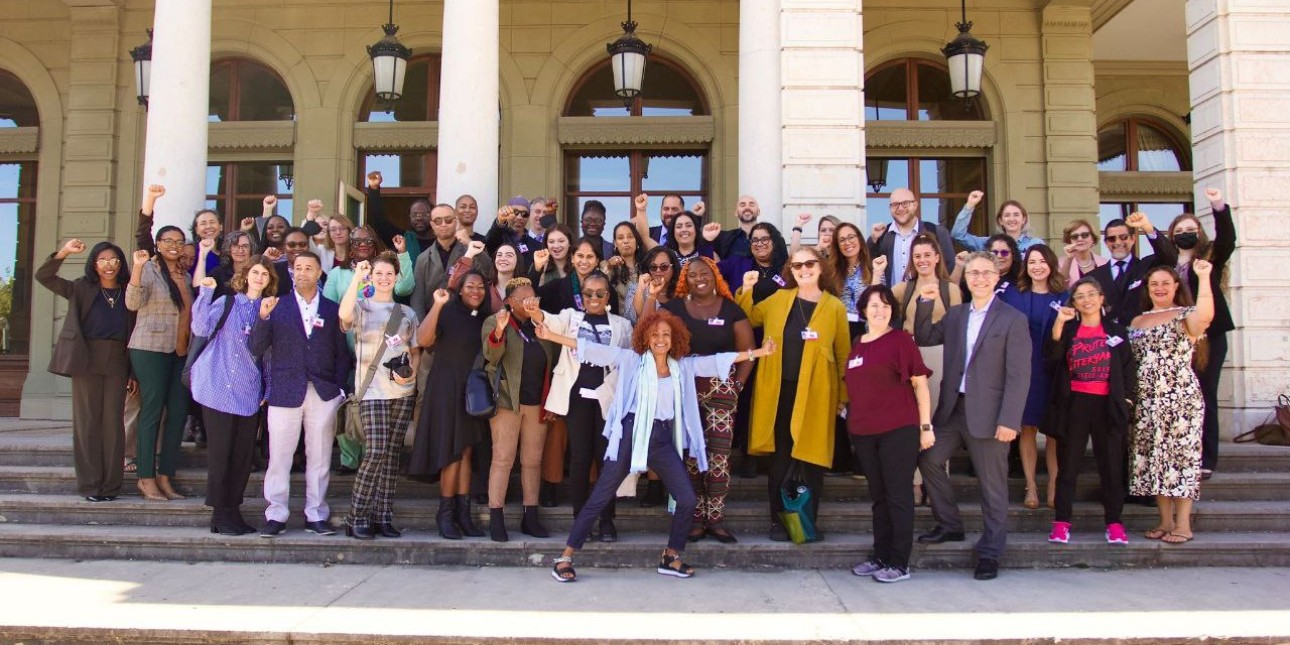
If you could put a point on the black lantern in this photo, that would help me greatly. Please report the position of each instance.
(287, 173)
(389, 62)
(627, 55)
(966, 57)
(142, 56)
(876, 173)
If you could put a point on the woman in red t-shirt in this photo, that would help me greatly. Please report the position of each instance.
(1093, 373)
(889, 420)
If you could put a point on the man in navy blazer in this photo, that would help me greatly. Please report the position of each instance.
(983, 392)
(307, 363)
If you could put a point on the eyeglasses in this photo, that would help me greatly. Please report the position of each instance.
(905, 204)
(848, 239)
(419, 215)
(599, 293)
(1001, 253)
(1123, 237)
(443, 221)
(242, 247)
(978, 275)
(759, 241)
(659, 268)
(1081, 235)
(808, 264)
(170, 242)
(108, 262)
(362, 241)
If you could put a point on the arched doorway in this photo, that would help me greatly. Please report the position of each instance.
(18, 176)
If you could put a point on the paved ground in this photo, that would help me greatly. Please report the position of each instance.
(299, 602)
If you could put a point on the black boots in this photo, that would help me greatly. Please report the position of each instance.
(229, 521)
(653, 494)
(531, 524)
(464, 518)
(497, 525)
(547, 497)
(444, 519)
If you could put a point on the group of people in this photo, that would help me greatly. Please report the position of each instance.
(658, 352)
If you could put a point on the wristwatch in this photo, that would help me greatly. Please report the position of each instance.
(926, 427)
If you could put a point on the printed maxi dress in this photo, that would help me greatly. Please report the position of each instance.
(1166, 433)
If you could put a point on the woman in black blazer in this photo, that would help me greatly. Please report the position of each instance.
(91, 349)
(1192, 242)
(1093, 375)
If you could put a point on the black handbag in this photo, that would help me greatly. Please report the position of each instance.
(481, 391)
(199, 343)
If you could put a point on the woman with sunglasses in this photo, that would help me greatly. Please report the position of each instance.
(1007, 261)
(717, 325)
(1012, 219)
(98, 364)
(1040, 291)
(1079, 260)
(657, 283)
(364, 245)
(800, 390)
(582, 393)
(624, 266)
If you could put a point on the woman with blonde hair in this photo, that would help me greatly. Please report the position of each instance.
(334, 250)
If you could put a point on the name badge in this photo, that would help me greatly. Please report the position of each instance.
(779, 280)
(716, 322)
(1054, 306)
(1112, 341)
(393, 342)
(246, 331)
(810, 334)
(524, 248)
(318, 323)
(855, 362)
(853, 317)
(1136, 284)
(587, 393)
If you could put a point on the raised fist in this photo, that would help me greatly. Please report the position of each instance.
(803, 219)
(880, 265)
(463, 236)
(543, 332)
(374, 179)
(503, 319)
(155, 191)
(1064, 315)
(699, 209)
(1139, 221)
(532, 305)
(930, 291)
(750, 279)
(711, 230)
(877, 230)
(767, 346)
(270, 201)
(641, 202)
(1214, 195)
(961, 257)
(614, 261)
(208, 282)
(441, 296)
(475, 247)
(504, 214)
(314, 206)
(974, 198)
(540, 257)
(552, 207)
(141, 258)
(362, 270)
(267, 304)
(1202, 268)
(248, 224)
(206, 245)
(72, 247)
(400, 244)
(274, 254)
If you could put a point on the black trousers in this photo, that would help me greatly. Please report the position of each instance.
(888, 460)
(230, 444)
(1209, 390)
(782, 460)
(1089, 419)
(587, 443)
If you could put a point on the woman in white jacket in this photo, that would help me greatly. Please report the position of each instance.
(582, 395)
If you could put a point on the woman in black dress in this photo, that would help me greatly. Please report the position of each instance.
(446, 435)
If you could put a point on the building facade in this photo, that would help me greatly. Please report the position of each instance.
(1090, 109)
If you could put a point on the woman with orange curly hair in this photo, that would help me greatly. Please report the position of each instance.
(716, 324)
(654, 418)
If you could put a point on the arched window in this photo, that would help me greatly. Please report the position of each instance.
(1140, 145)
(18, 181)
(17, 107)
(420, 100)
(612, 174)
(409, 173)
(244, 90)
(915, 89)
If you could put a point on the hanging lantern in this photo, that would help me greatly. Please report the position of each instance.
(142, 56)
(876, 173)
(627, 56)
(389, 62)
(966, 58)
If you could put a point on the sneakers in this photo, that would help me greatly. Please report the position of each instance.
(1115, 534)
(867, 568)
(1061, 533)
(891, 574)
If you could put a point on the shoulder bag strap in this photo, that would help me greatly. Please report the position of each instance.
(391, 328)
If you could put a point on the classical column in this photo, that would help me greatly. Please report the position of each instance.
(1070, 116)
(1239, 57)
(761, 163)
(468, 105)
(823, 102)
(177, 108)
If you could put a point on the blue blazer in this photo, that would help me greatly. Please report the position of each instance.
(322, 358)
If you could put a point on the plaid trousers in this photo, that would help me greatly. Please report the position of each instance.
(385, 422)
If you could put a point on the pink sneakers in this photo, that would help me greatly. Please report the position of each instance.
(1115, 534)
(1061, 533)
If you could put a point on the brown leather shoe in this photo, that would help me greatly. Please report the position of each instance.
(163, 483)
(149, 491)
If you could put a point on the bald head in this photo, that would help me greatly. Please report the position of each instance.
(904, 206)
(747, 210)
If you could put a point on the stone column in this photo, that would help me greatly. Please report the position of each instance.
(1070, 117)
(177, 108)
(1239, 56)
(761, 163)
(468, 105)
(823, 90)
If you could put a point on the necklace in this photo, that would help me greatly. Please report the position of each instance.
(111, 299)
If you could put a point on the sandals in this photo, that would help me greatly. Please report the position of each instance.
(1177, 538)
(130, 466)
(671, 565)
(1032, 498)
(1155, 534)
(565, 574)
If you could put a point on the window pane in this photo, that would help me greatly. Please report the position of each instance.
(214, 180)
(399, 170)
(17, 219)
(666, 92)
(17, 107)
(617, 209)
(932, 209)
(257, 178)
(221, 92)
(935, 100)
(1111, 149)
(1156, 153)
(885, 95)
(672, 173)
(951, 175)
(262, 96)
(599, 174)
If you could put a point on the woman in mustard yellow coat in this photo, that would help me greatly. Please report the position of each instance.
(799, 390)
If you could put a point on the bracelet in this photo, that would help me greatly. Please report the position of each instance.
(751, 357)
(797, 229)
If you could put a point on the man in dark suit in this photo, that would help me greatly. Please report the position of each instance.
(433, 265)
(734, 242)
(1122, 278)
(295, 241)
(307, 361)
(894, 241)
(983, 392)
(672, 206)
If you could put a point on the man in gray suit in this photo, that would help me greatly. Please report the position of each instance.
(433, 265)
(983, 392)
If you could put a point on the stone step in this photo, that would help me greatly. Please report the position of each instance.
(837, 551)
(1224, 486)
(741, 517)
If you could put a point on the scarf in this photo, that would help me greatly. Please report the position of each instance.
(646, 406)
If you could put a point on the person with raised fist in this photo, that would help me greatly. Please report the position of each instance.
(893, 239)
(91, 349)
(434, 266)
(226, 382)
(511, 227)
(733, 242)
(1079, 240)
(1123, 276)
(1012, 218)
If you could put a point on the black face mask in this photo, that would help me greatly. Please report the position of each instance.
(546, 222)
(1186, 241)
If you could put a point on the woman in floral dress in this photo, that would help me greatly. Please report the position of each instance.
(1166, 433)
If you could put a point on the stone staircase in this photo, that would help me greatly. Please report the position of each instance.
(1242, 520)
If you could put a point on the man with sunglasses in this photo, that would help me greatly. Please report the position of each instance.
(1122, 278)
(432, 266)
(511, 227)
(894, 241)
